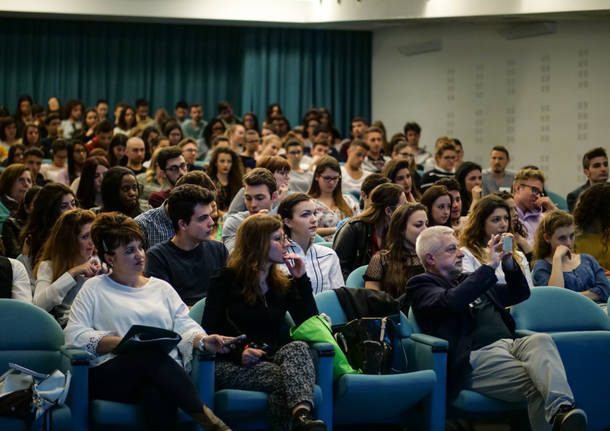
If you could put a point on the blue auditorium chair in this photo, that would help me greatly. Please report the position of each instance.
(473, 405)
(248, 410)
(31, 337)
(581, 331)
(354, 279)
(402, 398)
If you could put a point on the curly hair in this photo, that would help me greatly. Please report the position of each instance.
(592, 210)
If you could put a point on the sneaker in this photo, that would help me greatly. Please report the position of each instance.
(569, 418)
(302, 420)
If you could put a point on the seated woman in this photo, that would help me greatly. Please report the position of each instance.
(107, 306)
(490, 216)
(13, 225)
(15, 181)
(519, 232)
(88, 187)
(52, 201)
(399, 172)
(251, 296)
(593, 224)
(120, 192)
(469, 176)
(116, 150)
(363, 236)
(226, 170)
(457, 220)
(331, 205)
(65, 263)
(391, 268)
(438, 202)
(127, 121)
(77, 155)
(280, 168)
(152, 180)
(15, 155)
(300, 224)
(556, 263)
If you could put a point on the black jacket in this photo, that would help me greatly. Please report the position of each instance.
(353, 245)
(227, 313)
(572, 197)
(442, 309)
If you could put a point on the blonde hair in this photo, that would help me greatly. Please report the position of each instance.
(526, 174)
(150, 174)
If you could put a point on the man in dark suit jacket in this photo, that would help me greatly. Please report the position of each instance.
(484, 353)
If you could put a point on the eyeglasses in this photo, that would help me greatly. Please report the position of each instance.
(535, 190)
(189, 150)
(449, 157)
(330, 179)
(176, 168)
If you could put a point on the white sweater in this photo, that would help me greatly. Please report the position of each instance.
(104, 307)
(470, 264)
(22, 289)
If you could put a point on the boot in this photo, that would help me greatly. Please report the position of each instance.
(302, 420)
(209, 421)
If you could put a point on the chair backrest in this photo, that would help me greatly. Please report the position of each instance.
(196, 311)
(354, 279)
(555, 309)
(30, 337)
(413, 321)
(326, 244)
(329, 304)
(318, 238)
(558, 200)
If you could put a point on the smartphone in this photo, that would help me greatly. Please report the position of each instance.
(234, 341)
(507, 243)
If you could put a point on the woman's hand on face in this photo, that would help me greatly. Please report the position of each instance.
(562, 251)
(251, 356)
(295, 264)
(476, 193)
(282, 189)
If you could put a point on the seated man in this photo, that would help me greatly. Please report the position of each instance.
(188, 259)
(595, 168)
(531, 203)
(260, 192)
(173, 166)
(484, 353)
(155, 224)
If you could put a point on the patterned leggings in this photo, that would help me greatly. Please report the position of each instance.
(289, 378)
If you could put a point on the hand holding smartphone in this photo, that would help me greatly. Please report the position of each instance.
(235, 341)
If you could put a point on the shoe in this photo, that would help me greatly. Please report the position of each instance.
(569, 418)
(208, 420)
(303, 421)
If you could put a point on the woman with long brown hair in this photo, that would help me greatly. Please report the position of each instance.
(251, 296)
(66, 262)
(332, 206)
(226, 170)
(489, 217)
(391, 268)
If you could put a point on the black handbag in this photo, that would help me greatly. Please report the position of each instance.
(372, 344)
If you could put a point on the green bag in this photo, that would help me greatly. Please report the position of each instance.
(317, 330)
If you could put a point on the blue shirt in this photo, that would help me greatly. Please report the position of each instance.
(589, 275)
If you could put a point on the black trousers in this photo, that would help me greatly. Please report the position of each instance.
(152, 380)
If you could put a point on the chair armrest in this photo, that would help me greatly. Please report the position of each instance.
(437, 344)
(203, 375)
(323, 355)
(425, 352)
(76, 356)
(323, 349)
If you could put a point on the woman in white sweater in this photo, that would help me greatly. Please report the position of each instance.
(66, 262)
(489, 216)
(106, 308)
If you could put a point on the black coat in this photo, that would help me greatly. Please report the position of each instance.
(353, 245)
(442, 309)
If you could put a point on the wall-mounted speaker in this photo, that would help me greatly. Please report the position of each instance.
(528, 29)
(421, 47)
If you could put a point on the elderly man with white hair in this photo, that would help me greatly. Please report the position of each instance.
(469, 311)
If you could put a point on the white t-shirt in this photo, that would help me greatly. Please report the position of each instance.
(104, 307)
(22, 289)
(349, 184)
